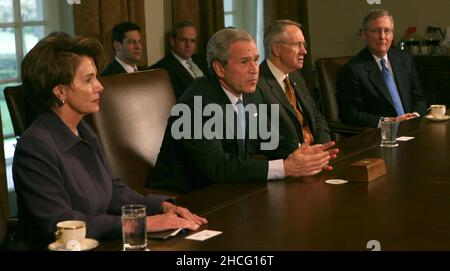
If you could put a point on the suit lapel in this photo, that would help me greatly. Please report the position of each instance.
(376, 77)
(276, 89)
(180, 69)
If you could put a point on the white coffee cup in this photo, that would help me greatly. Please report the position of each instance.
(437, 110)
(71, 233)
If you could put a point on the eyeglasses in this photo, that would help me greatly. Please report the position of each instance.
(386, 31)
(299, 44)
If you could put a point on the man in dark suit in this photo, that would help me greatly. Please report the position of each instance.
(280, 82)
(127, 43)
(380, 80)
(193, 158)
(181, 63)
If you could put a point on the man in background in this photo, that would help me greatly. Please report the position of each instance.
(380, 81)
(127, 44)
(181, 63)
(280, 82)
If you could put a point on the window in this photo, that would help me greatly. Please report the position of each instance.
(247, 15)
(22, 24)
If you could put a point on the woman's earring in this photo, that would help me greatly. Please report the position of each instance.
(61, 102)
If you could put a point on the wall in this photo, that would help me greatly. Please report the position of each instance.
(334, 25)
(157, 22)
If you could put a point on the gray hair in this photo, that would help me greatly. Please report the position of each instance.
(273, 33)
(219, 45)
(373, 15)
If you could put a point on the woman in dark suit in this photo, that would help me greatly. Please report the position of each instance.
(59, 170)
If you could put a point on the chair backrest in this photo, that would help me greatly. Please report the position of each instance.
(4, 206)
(3, 228)
(327, 71)
(15, 100)
(134, 109)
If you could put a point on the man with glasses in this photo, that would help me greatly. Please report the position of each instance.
(127, 43)
(280, 82)
(380, 80)
(182, 64)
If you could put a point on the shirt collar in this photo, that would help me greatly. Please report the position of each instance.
(277, 73)
(179, 58)
(63, 136)
(378, 59)
(233, 98)
(128, 68)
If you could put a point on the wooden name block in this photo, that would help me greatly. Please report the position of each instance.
(367, 170)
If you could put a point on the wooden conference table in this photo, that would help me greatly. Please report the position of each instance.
(407, 209)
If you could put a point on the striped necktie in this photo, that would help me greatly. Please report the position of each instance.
(290, 93)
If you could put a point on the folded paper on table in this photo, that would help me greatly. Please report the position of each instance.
(165, 234)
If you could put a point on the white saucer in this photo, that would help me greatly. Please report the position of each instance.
(336, 181)
(87, 244)
(430, 117)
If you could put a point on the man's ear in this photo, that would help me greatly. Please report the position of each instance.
(117, 45)
(218, 69)
(275, 50)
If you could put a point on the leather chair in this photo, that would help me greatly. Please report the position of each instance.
(21, 112)
(3, 191)
(134, 109)
(2, 226)
(327, 71)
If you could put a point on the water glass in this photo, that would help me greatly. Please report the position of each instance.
(134, 227)
(389, 132)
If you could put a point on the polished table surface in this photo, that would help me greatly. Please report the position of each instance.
(406, 209)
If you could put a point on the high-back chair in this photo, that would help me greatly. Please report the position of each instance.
(4, 208)
(328, 70)
(21, 112)
(15, 101)
(134, 109)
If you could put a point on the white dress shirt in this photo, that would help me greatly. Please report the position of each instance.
(128, 68)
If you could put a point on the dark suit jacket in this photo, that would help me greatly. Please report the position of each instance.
(185, 165)
(59, 176)
(115, 68)
(290, 129)
(180, 77)
(362, 93)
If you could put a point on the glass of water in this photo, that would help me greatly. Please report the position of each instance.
(134, 227)
(389, 127)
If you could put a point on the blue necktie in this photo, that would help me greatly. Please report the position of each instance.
(389, 79)
(241, 127)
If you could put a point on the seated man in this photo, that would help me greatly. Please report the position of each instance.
(281, 83)
(127, 43)
(380, 80)
(199, 156)
(181, 63)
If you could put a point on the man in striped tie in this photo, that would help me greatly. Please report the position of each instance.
(380, 81)
(280, 82)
